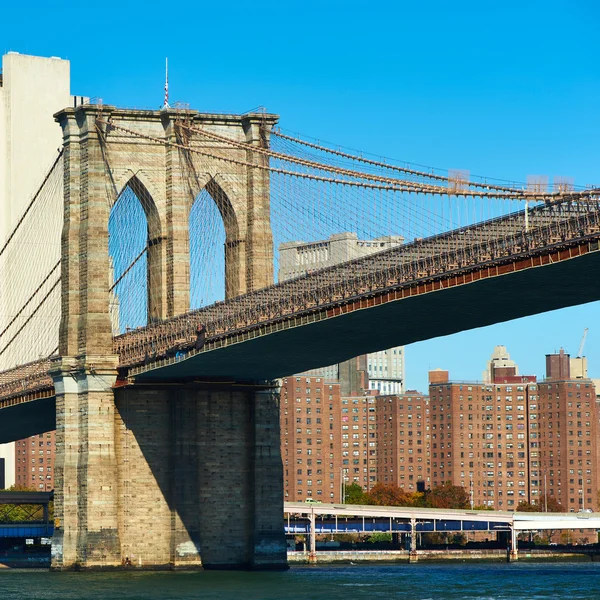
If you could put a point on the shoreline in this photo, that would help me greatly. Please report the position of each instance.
(356, 557)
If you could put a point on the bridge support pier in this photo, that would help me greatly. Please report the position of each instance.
(513, 554)
(413, 556)
(195, 479)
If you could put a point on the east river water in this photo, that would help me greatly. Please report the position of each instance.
(482, 581)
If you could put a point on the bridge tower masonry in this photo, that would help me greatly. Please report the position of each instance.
(173, 474)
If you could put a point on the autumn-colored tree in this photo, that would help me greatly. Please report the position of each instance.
(553, 506)
(388, 495)
(447, 496)
(418, 499)
(525, 506)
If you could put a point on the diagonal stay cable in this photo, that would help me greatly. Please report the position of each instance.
(42, 301)
(30, 205)
(131, 265)
(39, 287)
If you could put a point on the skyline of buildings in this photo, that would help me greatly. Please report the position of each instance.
(511, 438)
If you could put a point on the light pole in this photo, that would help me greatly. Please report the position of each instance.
(471, 491)
(545, 494)
(342, 486)
(582, 501)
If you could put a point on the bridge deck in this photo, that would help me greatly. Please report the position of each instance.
(462, 279)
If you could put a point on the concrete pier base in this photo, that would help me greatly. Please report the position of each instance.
(195, 478)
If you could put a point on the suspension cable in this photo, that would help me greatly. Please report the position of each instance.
(30, 205)
(42, 301)
(39, 287)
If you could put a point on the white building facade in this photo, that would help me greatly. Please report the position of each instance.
(386, 367)
(32, 89)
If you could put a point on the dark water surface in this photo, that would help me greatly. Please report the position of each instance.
(496, 581)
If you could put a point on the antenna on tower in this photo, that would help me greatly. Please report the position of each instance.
(166, 104)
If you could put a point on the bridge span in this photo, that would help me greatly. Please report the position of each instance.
(155, 426)
(417, 299)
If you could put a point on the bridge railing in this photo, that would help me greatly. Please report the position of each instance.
(25, 379)
(464, 249)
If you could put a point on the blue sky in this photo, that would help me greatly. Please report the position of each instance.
(504, 90)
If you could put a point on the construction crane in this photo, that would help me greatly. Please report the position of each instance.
(580, 353)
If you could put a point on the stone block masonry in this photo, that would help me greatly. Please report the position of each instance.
(175, 474)
(195, 479)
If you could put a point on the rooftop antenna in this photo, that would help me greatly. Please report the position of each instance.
(166, 104)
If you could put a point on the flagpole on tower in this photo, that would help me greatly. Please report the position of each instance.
(166, 104)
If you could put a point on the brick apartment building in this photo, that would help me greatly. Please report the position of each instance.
(403, 440)
(328, 433)
(564, 436)
(479, 438)
(512, 438)
(505, 439)
(310, 438)
(34, 462)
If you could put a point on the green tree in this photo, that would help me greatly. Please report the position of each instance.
(17, 513)
(379, 536)
(354, 494)
(447, 496)
(525, 506)
(418, 499)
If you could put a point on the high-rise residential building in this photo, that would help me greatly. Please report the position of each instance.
(310, 438)
(479, 439)
(328, 440)
(386, 367)
(402, 446)
(513, 438)
(565, 452)
(34, 462)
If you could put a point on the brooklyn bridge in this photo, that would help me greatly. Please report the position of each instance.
(149, 328)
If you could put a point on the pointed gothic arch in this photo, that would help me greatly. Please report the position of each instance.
(135, 247)
(214, 199)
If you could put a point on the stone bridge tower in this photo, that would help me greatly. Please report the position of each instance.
(158, 476)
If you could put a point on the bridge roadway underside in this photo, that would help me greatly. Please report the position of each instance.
(437, 313)
(420, 317)
(20, 421)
